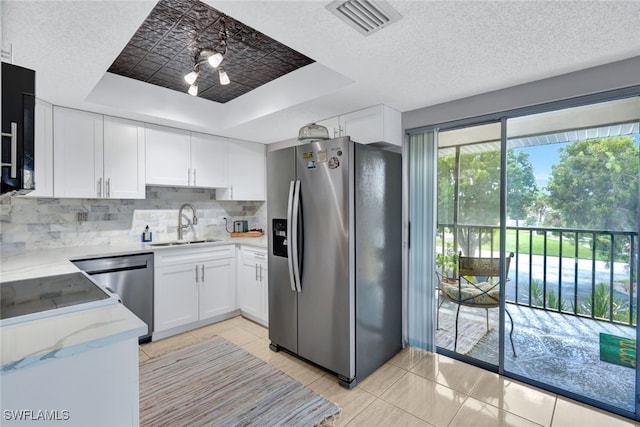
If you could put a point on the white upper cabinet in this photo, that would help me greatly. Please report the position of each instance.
(375, 124)
(168, 158)
(209, 160)
(78, 140)
(43, 145)
(96, 157)
(333, 125)
(124, 159)
(247, 172)
(181, 158)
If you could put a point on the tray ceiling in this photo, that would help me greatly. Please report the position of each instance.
(163, 49)
(439, 51)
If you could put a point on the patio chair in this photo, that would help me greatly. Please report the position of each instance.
(478, 286)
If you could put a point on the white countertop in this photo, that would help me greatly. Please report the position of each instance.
(49, 262)
(37, 341)
(42, 340)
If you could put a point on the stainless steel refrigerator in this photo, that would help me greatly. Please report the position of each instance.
(335, 255)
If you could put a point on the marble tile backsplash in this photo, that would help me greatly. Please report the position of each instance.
(40, 223)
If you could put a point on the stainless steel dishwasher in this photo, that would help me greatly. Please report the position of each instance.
(129, 276)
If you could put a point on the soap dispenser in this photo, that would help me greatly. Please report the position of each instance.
(147, 235)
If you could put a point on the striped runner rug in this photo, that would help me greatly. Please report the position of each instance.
(214, 382)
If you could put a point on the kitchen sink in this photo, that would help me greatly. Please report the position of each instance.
(182, 242)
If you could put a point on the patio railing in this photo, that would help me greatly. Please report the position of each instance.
(588, 273)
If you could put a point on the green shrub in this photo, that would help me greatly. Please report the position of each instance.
(600, 305)
(552, 299)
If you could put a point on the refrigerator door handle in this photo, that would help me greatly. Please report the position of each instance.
(295, 214)
(289, 244)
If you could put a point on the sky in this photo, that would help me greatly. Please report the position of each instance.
(542, 157)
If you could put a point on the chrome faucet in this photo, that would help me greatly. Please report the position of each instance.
(182, 227)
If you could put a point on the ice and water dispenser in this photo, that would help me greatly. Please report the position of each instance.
(280, 237)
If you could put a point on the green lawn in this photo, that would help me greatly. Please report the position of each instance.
(537, 245)
(553, 246)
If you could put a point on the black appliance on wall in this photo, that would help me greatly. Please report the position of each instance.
(18, 110)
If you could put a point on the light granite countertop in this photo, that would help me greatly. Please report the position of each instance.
(49, 262)
(37, 341)
(49, 338)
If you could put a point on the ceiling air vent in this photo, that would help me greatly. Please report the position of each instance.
(364, 16)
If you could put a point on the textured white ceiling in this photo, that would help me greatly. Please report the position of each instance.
(439, 51)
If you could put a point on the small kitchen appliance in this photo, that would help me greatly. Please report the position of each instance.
(241, 226)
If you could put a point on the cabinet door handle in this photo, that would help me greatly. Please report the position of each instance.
(99, 192)
(341, 131)
(202, 273)
(196, 274)
(108, 187)
(231, 192)
(188, 176)
(194, 177)
(260, 273)
(256, 272)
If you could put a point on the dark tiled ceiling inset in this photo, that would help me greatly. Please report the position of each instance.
(163, 49)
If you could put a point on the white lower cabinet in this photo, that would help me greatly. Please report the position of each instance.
(193, 284)
(176, 296)
(217, 285)
(199, 285)
(252, 284)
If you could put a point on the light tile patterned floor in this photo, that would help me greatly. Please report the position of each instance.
(413, 389)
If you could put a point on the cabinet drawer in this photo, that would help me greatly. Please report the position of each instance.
(181, 255)
(221, 252)
(254, 255)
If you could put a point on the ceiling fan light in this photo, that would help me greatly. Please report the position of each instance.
(191, 77)
(215, 59)
(193, 90)
(224, 77)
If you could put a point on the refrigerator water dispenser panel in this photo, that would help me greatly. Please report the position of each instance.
(280, 237)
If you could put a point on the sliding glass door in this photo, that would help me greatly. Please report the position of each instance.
(468, 184)
(554, 197)
(572, 209)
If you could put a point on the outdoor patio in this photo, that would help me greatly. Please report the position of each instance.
(556, 349)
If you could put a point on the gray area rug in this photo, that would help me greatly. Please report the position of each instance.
(214, 382)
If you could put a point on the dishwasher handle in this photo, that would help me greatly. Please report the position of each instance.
(112, 265)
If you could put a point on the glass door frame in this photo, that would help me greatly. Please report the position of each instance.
(485, 364)
(503, 117)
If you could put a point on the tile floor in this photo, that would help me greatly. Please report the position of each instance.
(412, 389)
